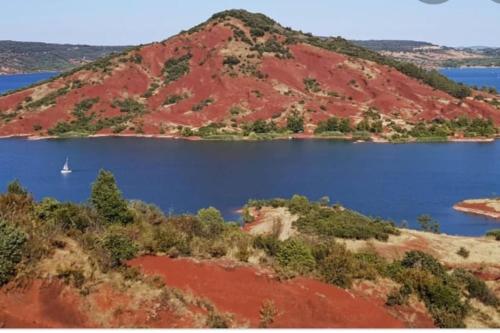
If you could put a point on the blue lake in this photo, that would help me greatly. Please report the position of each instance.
(396, 182)
(12, 82)
(481, 77)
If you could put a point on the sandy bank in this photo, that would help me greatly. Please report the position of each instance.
(484, 207)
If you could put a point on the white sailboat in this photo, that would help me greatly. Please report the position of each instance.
(66, 169)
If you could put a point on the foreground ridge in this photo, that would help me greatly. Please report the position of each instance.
(295, 263)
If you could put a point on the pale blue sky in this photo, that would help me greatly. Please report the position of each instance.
(115, 22)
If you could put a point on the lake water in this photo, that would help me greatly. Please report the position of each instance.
(396, 182)
(12, 82)
(481, 77)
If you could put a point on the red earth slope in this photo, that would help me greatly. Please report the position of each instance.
(232, 83)
(241, 291)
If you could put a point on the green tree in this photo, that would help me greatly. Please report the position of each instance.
(11, 248)
(428, 224)
(15, 187)
(295, 123)
(212, 221)
(108, 201)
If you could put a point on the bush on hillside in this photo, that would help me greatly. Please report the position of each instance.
(119, 248)
(175, 68)
(476, 287)
(295, 123)
(12, 241)
(16, 188)
(494, 233)
(435, 287)
(212, 221)
(338, 267)
(295, 256)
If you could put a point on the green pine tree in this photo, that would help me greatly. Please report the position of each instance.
(107, 199)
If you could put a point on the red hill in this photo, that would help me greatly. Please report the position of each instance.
(233, 70)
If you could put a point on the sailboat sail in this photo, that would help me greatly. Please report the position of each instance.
(66, 168)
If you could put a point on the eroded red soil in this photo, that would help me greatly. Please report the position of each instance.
(349, 86)
(241, 291)
(41, 305)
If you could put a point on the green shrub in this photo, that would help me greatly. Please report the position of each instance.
(428, 278)
(338, 267)
(312, 85)
(334, 124)
(68, 216)
(295, 256)
(130, 106)
(216, 320)
(476, 287)
(168, 238)
(399, 296)
(428, 224)
(267, 313)
(74, 277)
(424, 261)
(119, 248)
(271, 245)
(16, 188)
(175, 68)
(107, 199)
(203, 104)
(212, 221)
(299, 204)
(174, 99)
(463, 252)
(445, 305)
(494, 233)
(71, 216)
(231, 61)
(12, 242)
(344, 224)
(45, 209)
(260, 126)
(295, 123)
(188, 224)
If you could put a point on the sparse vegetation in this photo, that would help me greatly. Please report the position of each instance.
(201, 105)
(295, 123)
(312, 85)
(334, 124)
(112, 231)
(428, 224)
(463, 252)
(231, 61)
(426, 277)
(267, 313)
(175, 68)
(174, 99)
(494, 233)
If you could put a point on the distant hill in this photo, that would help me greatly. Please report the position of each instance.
(241, 74)
(391, 45)
(24, 57)
(434, 56)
